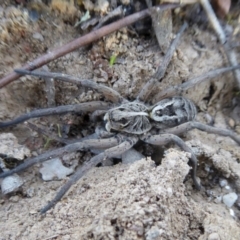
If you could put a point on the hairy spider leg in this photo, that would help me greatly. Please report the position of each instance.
(79, 146)
(111, 152)
(108, 93)
(156, 78)
(202, 127)
(82, 107)
(163, 139)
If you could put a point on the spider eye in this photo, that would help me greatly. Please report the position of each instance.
(123, 121)
(159, 113)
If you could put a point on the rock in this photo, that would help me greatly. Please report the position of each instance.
(14, 199)
(131, 156)
(38, 36)
(11, 183)
(232, 213)
(9, 146)
(30, 192)
(54, 169)
(140, 48)
(218, 199)
(153, 233)
(229, 199)
(213, 236)
(223, 182)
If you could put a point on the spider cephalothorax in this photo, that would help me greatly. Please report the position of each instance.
(129, 121)
(171, 112)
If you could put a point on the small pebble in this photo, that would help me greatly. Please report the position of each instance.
(131, 156)
(211, 193)
(207, 168)
(229, 199)
(54, 169)
(213, 236)
(14, 198)
(232, 212)
(223, 182)
(34, 154)
(33, 212)
(227, 187)
(38, 36)
(218, 199)
(30, 192)
(11, 183)
(33, 15)
(231, 123)
(140, 48)
(153, 233)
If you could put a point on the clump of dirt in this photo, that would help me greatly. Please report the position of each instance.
(122, 202)
(136, 201)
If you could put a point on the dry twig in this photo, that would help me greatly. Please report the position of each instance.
(232, 58)
(82, 41)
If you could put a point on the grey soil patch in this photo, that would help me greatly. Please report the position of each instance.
(125, 201)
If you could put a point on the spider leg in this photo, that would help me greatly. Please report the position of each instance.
(111, 152)
(87, 144)
(157, 77)
(82, 107)
(163, 139)
(108, 93)
(52, 136)
(178, 89)
(101, 132)
(203, 127)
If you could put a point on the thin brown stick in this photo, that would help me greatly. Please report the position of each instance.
(81, 41)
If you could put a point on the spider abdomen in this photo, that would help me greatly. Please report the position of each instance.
(171, 112)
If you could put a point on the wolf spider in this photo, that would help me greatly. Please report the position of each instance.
(127, 122)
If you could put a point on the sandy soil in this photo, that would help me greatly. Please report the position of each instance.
(125, 201)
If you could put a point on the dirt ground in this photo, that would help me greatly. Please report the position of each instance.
(124, 201)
